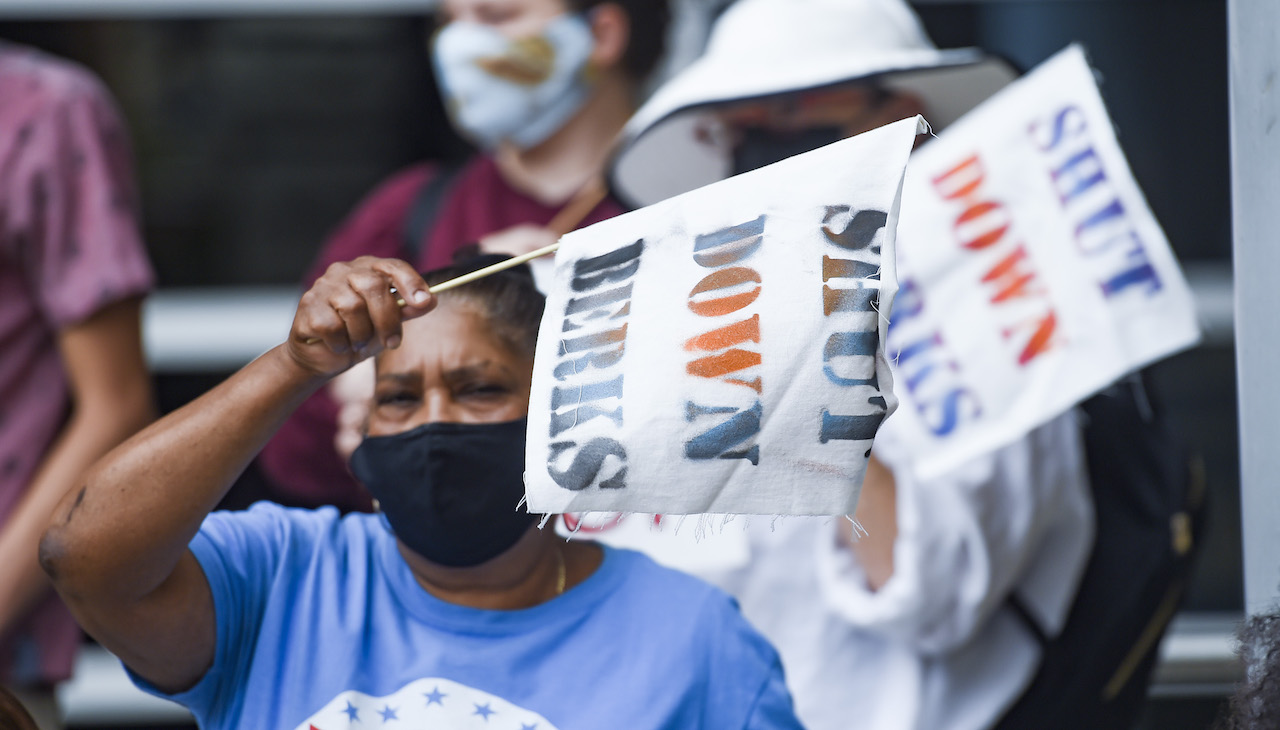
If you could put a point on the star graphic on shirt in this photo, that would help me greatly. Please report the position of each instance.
(352, 713)
(484, 711)
(388, 713)
(435, 697)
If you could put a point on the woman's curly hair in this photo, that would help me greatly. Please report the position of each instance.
(1256, 704)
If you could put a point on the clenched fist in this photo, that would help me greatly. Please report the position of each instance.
(351, 313)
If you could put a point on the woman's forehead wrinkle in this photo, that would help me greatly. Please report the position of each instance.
(476, 369)
(452, 344)
(400, 378)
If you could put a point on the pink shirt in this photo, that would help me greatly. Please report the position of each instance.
(301, 461)
(69, 244)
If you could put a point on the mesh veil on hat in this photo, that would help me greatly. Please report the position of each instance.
(762, 48)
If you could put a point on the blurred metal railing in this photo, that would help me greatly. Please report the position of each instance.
(215, 329)
(1198, 657)
(99, 693)
(221, 328)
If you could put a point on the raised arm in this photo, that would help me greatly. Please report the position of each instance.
(116, 548)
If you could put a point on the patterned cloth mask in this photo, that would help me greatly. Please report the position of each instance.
(520, 91)
(450, 491)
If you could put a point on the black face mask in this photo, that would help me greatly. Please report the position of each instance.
(449, 490)
(760, 146)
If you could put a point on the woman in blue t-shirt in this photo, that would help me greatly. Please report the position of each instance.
(450, 608)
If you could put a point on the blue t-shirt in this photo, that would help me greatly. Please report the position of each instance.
(321, 625)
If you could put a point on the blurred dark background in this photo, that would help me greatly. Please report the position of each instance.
(255, 135)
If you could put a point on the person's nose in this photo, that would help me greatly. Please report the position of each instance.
(438, 406)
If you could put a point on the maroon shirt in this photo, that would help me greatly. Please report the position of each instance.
(69, 245)
(300, 461)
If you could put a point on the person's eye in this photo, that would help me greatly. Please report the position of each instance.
(484, 390)
(396, 398)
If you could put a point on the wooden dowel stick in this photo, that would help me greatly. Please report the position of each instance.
(494, 268)
(566, 220)
(477, 274)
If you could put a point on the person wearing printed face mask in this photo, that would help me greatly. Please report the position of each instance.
(543, 87)
(451, 608)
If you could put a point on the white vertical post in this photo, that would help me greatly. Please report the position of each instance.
(1254, 48)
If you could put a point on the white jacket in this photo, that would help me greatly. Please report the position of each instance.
(936, 648)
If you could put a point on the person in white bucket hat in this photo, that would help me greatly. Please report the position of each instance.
(762, 53)
(910, 626)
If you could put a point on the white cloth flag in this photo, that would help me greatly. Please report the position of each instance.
(722, 351)
(1032, 272)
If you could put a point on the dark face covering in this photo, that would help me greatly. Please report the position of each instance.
(761, 146)
(449, 490)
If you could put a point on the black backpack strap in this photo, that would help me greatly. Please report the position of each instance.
(1148, 513)
(423, 210)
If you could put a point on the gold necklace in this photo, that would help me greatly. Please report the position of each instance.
(560, 570)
